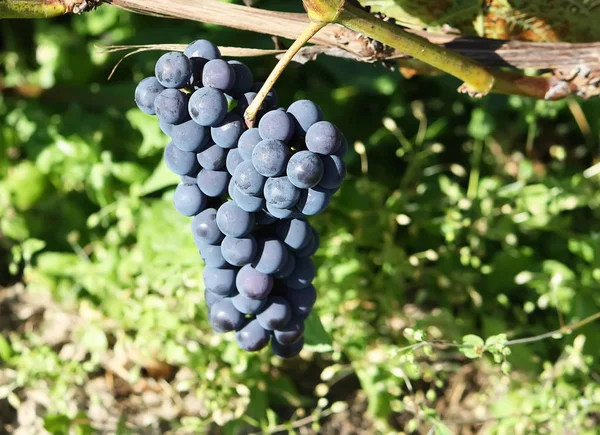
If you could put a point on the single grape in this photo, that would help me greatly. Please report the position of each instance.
(210, 298)
(287, 269)
(208, 106)
(334, 172)
(204, 49)
(189, 136)
(213, 183)
(252, 337)
(264, 218)
(227, 132)
(205, 229)
(248, 180)
(295, 233)
(219, 281)
(303, 274)
(343, 149)
(248, 306)
(271, 100)
(247, 202)
(248, 140)
(239, 251)
(270, 157)
(281, 193)
(233, 221)
(218, 74)
(275, 315)
(305, 169)
(323, 138)
(243, 78)
(171, 106)
(233, 160)
(272, 255)
(223, 316)
(305, 114)
(312, 247)
(282, 213)
(213, 157)
(277, 125)
(173, 70)
(286, 351)
(291, 332)
(189, 179)
(179, 162)
(188, 199)
(314, 201)
(253, 284)
(301, 300)
(212, 256)
(145, 94)
(165, 127)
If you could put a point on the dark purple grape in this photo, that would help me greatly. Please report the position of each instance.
(204, 49)
(323, 138)
(277, 125)
(247, 202)
(248, 140)
(312, 247)
(275, 315)
(218, 74)
(227, 132)
(334, 172)
(171, 106)
(233, 160)
(272, 256)
(305, 169)
(213, 183)
(233, 221)
(270, 157)
(239, 251)
(314, 201)
(301, 300)
(252, 337)
(248, 180)
(272, 100)
(219, 281)
(213, 157)
(188, 199)
(282, 213)
(208, 106)
(205, 229)
(173, 70)
(253, 284)
(179, 162)
(303, 274)
(243, 78)
(305, 114)
(287, 269)
(213, 257)
(343, 149)
(189, 136)
(145, 94)
(287, 351)
(223, 316)
(281, 193)
(210, 298)
(291, 332)
(265, 218)
(295, 233)
(248, 306)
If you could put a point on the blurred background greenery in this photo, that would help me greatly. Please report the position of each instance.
(462, 224)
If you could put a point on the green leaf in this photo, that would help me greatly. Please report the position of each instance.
(5, 349)
(315, 337)
(475, 343)
(57, 424)
(161, 177)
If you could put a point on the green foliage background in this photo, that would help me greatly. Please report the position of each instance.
(462, 221)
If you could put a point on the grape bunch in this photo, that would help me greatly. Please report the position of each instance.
(249, 191)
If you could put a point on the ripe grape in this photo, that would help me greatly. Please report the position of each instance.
(189, 200)
(239, 251)
(233, 160)
(287, 269)
(247, 179)
(303, 274)
(252, 337)
(233, 221)
(323, 138)
(301, 300)
(275, 315)
(287, 350)
(281, 193)
(219, 281)
(253, 284)
(305, 114)
(205, 229)
(213, 183)
(281, 213)
(204, 49)
(295, 233)
(208, 106)
(312, 247)
(210, 298)
(305, 169)
(248, 306)
(272, 256)
(213, 157)
(291, 332)
(189, 136)
(248, 140)
(265, 218)
(243, 78)
(212, 256)
(224, 317)
(270, 157)
(179, 162)
(334, 172)
(173, 70)
(247, 202)
(314, 201)
(218, 74)
(277, 125)
(227, 132)
(171, 106)
(145, 94)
